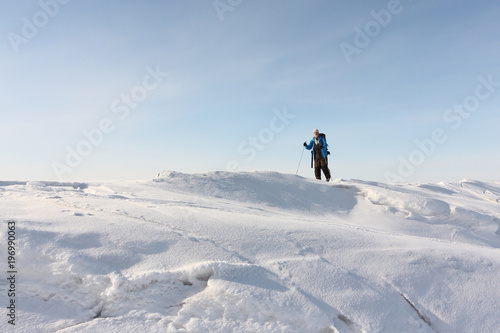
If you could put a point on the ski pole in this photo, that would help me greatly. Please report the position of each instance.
(300, 161)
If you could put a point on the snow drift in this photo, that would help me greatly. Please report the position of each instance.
(254, 252)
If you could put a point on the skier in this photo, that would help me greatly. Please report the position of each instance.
(319, 154)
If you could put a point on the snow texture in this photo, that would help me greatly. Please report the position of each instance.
(253, 252)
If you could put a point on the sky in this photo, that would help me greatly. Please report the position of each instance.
(406, 91)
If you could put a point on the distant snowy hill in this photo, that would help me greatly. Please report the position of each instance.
(253, 252)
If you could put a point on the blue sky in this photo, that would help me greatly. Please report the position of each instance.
(228, 78)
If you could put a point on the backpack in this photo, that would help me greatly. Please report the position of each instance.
(323, 135)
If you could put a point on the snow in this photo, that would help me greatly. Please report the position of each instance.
(253, 252)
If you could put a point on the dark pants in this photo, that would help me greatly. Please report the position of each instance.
(321, 163)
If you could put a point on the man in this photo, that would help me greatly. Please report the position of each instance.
(320, 155)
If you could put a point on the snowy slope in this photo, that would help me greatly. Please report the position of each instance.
(253, 252)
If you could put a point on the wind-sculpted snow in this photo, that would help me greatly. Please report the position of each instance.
(253, 252)
(270, 188)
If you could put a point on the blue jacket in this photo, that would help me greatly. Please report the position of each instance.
(322, 142)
